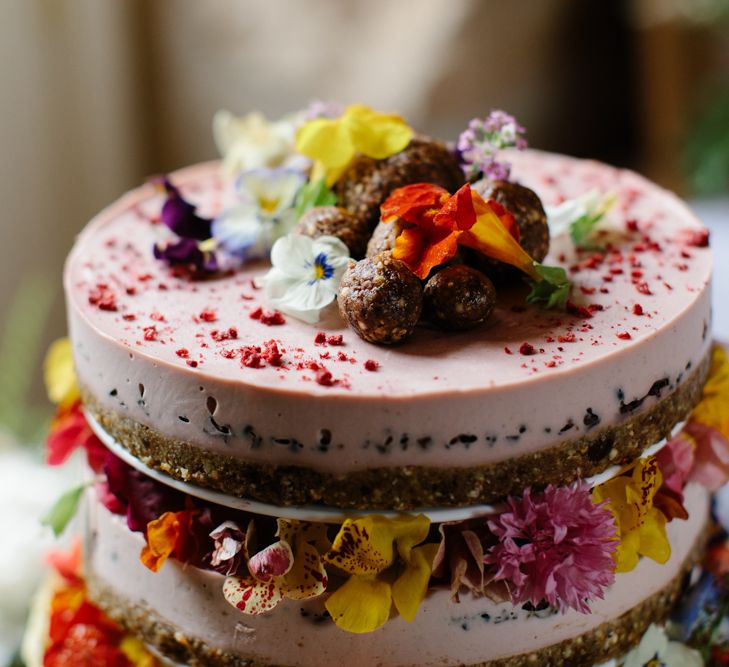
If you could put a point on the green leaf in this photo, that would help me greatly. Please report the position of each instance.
(313, 194)
(582, 228)
(63, 510)
(553, 290)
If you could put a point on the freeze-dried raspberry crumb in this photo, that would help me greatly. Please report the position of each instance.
(643, 288)
(637, 309)
(341, 356)
(208, 315)
(335, 339)
(251, 357)
(631, 225)
(698, 238)
(371, 365)
(324, 377)
(183, 353)
(229, 334)
(567, 338)
(150, 333)
(527, 348)
(256, 313)
(580, 311)
(320, 338)
(191, 363)
(157, 317)
(103, 298)
(272, 318)
(624, 335)
(271, 353)
(129, 317)
(507, 350)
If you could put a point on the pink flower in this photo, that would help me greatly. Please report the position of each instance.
(711, 464)
(555, 545)
(675, 462)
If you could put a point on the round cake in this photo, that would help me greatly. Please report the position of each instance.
(327, 419)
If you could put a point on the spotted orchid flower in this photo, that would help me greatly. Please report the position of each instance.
(290, 568)
(265, 213)
(388, 565)
(305, 274)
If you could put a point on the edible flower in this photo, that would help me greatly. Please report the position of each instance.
(641, 526)
(556, 545)
(322, 109)
(713, 409)
(479, 145)
(656, 649)
(252, 141)
(305, 274)
(188, 249)
(460, 556)
(290, 568)
(385, 567)
(434, 224)
(231, 547)
(675, 461)
(60, 374)
(579, 216)
(334, 142)
(265, 213)
(167, 536)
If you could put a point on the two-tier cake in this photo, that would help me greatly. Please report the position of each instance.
(361, 399)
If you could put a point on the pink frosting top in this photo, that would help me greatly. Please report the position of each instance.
(162, 349)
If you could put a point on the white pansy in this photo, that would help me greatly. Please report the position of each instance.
(305, 274)
(655, 646)
(252, 141)
(591, 203)
(265, 213)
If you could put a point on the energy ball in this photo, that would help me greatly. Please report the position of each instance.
(368, 182)
(527, 209)
(335, 221)
(381, 299)
(383, 238)
(458, 298)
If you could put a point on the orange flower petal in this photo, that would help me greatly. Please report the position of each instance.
(458, 211)
(409, 246)
(411, 202)
(437, 254)
(165, 536)
(491, 237)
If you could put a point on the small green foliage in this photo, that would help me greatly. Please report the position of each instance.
(553, 290)
(582, 228)
(311, 194)
(63, 510)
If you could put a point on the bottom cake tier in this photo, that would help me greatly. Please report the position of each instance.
(181, 612)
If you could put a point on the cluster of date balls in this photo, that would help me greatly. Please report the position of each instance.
(379, 296)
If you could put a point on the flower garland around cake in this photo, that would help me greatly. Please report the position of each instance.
(559, 547)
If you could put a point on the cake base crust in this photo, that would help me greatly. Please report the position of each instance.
(405, 487)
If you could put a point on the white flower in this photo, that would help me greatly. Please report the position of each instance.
(591, 204)
(265, 213)
(655, 646)
(251, 141)
(305, 274)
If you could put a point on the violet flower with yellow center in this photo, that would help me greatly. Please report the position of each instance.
(641, 526)
(386, 568)
(290, 568)
(334, 142)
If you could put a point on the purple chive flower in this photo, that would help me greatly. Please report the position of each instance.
(479, 145)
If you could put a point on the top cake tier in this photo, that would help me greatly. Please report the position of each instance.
(169, 366)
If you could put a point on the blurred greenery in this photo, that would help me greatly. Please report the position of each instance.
(20, 355)
(706, 155)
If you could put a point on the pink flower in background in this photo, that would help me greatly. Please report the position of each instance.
(675, 462)
(555, 545)
(711, 465)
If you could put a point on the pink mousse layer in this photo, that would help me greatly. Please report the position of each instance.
(443, 633)
(152, 348)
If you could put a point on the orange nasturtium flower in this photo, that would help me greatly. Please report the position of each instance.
(166, 536)
(435, 223)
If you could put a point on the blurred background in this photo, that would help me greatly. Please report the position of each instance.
(98, 95)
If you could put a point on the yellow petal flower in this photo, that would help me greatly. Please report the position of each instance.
(307, 577)
(334, 142)
(713, 409)
(410, 587)
(641, 527)
(136, 652)
(366, 546)
(374, 134)
(361, 605)
(60, 374)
